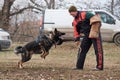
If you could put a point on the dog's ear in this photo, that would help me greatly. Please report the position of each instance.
(55, 30)
(59, 42)
(51, 35)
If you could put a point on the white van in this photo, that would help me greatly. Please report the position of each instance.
(62, 20)
(5, 41)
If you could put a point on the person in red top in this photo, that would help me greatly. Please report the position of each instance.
(87, 24)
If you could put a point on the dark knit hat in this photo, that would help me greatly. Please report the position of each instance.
(72, 9)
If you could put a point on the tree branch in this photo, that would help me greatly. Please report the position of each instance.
(23, 9)
(46, 2)
(32, 1)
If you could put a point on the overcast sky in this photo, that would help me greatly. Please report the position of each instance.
(72, 1)
(24, 2)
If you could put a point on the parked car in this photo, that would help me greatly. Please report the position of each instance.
(62, 20)
(5, 41)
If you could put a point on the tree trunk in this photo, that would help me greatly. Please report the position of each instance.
(5, 14)
(50, 4)
(112, 6)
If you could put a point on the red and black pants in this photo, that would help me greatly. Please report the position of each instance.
(84, 48)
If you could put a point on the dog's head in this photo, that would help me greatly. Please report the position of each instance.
(56, 36)
(18, 49)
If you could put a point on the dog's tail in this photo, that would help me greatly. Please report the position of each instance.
(18, 50)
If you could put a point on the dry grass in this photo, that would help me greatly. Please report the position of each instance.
(59, 63)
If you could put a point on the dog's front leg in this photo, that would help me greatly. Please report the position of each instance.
(44, 55)
(43, 52)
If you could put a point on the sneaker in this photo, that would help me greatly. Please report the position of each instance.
(97, 69)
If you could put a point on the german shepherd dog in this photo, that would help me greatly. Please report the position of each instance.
(41, 46)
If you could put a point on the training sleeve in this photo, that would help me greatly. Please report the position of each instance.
(89, 14)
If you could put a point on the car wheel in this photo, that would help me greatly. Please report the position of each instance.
(117, 39)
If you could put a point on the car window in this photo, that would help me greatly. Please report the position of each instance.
(1, 30)
(106, 18)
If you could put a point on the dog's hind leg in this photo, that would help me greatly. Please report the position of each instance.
(20, 64)
(25, 57)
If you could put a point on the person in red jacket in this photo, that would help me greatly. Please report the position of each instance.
(87, 24)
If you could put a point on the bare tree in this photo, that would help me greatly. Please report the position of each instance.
(50, 4)
(112, 7)
(5, 13)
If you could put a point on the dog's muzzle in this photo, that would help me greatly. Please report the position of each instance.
(59, 42)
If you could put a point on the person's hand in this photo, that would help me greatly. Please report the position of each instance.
(77, 43)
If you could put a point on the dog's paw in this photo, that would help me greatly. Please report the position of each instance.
(20, 65)
(42, 56)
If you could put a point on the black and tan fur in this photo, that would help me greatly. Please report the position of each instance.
(41, 46)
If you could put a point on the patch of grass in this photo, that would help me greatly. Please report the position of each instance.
(59, 64)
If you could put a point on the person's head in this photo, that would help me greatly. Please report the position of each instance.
(73, 11)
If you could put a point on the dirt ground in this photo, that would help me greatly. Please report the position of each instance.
(59, 65)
